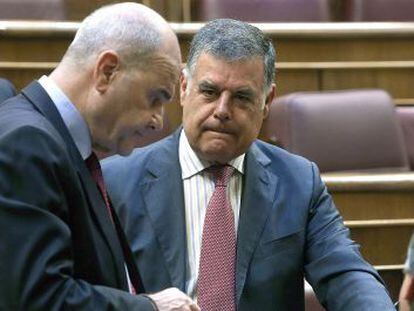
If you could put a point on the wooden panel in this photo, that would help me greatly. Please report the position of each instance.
(372, 196)
(393, 279)
(21, 78)
(375, 204)
(378, 209)
(383, 245)
(33, 49)
(343, 49)
(288, 81)
(294, 41)
(397, 81)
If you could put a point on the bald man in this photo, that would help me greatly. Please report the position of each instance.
(61, 245)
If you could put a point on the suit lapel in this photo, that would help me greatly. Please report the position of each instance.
(39, 98)
(256, 204)
(163, 195)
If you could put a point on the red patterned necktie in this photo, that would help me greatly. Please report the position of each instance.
(216, 287)
(94, 167)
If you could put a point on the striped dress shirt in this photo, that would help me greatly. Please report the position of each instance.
(198, 188)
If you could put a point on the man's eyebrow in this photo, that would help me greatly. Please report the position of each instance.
(244, 92)
(207, 84)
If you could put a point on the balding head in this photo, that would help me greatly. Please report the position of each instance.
(120, 71)
(132, 30)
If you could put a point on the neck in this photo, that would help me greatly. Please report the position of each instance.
(73, 84)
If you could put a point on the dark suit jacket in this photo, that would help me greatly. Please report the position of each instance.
(289, 229)
(58, 247)
(7, 90)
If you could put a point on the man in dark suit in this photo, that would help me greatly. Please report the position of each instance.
(7, 90)
(272, 225)
(61, 244)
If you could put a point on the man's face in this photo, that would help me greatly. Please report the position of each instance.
(224, 106)
(133, 107)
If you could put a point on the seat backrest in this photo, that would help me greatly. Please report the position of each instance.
(406, 119)
(7, 90)
(339, 130)
(264, 10)
(379, 10)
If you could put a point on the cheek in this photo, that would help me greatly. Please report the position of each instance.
(196, 114)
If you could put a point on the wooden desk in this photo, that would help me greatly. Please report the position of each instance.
(379, 210)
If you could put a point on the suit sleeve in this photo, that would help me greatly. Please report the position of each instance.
(36, 260)
(334, 266)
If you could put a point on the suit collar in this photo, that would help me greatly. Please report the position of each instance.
(166, 210)
(257, 201)
(71, 116)
(42, 102)
(167, 213)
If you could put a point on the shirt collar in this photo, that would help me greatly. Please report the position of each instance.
(191, 164)
(71, 116)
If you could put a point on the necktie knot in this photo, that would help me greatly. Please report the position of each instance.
(93, 165)
(94, 168)
(221, 174)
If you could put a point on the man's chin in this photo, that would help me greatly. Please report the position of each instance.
(125, 152)
(216, 154)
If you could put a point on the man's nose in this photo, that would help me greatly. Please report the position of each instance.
(222, 110)
(157, 119)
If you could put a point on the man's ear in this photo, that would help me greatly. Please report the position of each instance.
(269, 99)
(183, 87)
(106, 67)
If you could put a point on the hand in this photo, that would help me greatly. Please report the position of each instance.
(407, 293)
(172, 299)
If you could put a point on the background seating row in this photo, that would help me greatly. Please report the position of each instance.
(202, 10)
(311, 57)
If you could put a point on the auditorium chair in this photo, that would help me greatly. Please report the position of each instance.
(352, 130)
(379, 10)
(406, 119)
(264, 10)
(7, 90)
(33, 10)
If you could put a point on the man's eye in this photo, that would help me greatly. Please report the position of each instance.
(242, 98)
(208, 92)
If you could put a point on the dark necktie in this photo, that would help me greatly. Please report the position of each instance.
(94, 167)
(216, 279)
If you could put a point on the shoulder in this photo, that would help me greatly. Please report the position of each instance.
(21, 122)
(7, 89)
(293, 172)
(158, 154)
(279, 159)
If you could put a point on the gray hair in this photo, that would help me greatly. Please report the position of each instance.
(120, 27)
(233, 40)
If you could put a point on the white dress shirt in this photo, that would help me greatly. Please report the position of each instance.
(198, 188)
